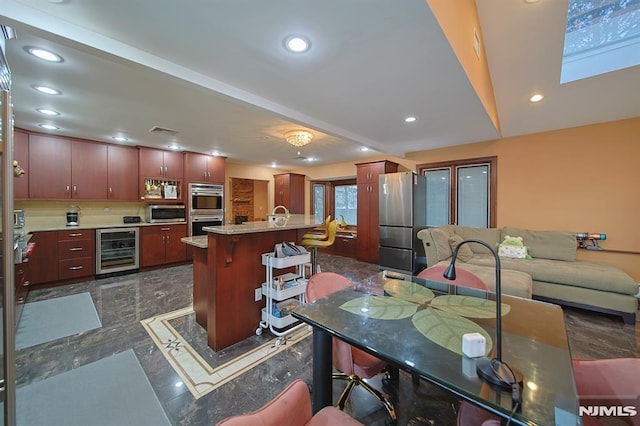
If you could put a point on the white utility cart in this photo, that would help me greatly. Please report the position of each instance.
(283, 293)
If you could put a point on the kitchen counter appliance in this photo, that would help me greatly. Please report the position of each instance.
(165, 213)
(206, 207)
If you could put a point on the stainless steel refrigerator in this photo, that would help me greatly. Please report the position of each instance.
(7, 372)
(402, 214)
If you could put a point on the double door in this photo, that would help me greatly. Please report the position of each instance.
(161, 244)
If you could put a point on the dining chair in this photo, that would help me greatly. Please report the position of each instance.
(313, 244)
(291, 407)
(463, 278)
(353, 364)
(603, 382)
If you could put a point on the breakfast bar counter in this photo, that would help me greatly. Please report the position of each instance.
(227, 269)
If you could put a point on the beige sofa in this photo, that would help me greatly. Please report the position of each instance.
(556, 274)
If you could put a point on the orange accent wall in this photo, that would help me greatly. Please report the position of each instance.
(458, 19)
(581, 179)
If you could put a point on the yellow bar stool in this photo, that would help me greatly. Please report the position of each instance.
(312, 236)
(313, 244)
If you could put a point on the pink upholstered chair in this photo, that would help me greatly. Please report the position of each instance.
(608, 382)
(291, 407)
(352, 363)
(464, 278)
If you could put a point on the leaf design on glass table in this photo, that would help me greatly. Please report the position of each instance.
(379, 307)
(446, 329)
(467, 306)
(409, 291)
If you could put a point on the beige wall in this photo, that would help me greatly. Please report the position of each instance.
(582, 179)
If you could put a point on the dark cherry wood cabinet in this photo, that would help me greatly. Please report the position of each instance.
(21, 155)
(161, 244)
(122, 173)
(61, 168)
(368, 207)
(203, 168)
(289, 192)
(156, 163)
(43, 266)
(76, 253)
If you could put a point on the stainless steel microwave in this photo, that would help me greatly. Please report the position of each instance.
(162, 213)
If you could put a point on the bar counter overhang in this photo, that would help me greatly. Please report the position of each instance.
(227, 269)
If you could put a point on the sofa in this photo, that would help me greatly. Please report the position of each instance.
(556, 276)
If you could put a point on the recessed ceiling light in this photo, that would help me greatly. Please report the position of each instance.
(47, 90)
(47, 111)
(297, 44)
(536, 98)
(44, 54)
(119, 138)
(174, 146)
(274, 165)
(215, 153)
(410, 119)
(531, 1)
(364, 149)
(49, 126)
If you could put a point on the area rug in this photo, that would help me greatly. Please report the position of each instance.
(53, 319)
(199, 377)
(111, 391)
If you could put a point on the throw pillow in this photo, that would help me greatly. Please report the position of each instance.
(513, 247)
(464, 254)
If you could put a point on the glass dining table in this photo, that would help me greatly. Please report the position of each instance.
(417, 325)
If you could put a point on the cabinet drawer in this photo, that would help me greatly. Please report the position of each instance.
(76, 234)
(73, 268)
(75, 249)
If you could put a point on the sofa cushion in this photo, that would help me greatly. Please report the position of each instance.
(491, 236)
(464, 252)
(591, 275)
(441, 242)
(554, 245)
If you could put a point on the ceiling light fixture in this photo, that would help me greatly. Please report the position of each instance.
(47, 111)
(119, 139)
(298, 137)
(47, 90)
(410, 119)
(297, 44)
(536, 98)
(44, 54)
(49, 126)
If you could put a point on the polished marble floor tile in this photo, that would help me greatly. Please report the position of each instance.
(122, 302)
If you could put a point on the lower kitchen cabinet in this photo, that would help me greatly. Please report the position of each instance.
(62, 255)
(161, 244)
(21, 286)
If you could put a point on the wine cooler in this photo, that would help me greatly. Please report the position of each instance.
(117, 249)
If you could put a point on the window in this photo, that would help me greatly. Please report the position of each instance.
(335, 198)
(461, 192)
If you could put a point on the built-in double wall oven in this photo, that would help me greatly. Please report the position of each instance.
(206, 207)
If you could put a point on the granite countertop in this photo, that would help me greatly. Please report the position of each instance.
(63, 227)
(295, 221)
(199, 241)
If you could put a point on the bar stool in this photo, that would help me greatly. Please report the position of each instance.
(313, 244)
(324, 236)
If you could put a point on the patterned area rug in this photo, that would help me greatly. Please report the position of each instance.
(199, 377)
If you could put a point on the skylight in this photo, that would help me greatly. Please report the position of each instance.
(601, 36)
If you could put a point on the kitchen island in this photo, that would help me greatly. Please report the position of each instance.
(227, 270)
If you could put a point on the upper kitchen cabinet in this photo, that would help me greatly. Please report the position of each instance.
(156, 163)
(122, 173)
(21, 155)
(62, 168)
(203, 168)
(289, 192)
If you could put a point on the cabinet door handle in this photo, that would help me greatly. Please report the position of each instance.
(165, 170)
(75, 189)
(20, 300)
(165, 229)
(26, 283)
(76, 249)
(76, 234)
(160, 170)
(75, 268)
(68, 188)
(110, 190)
